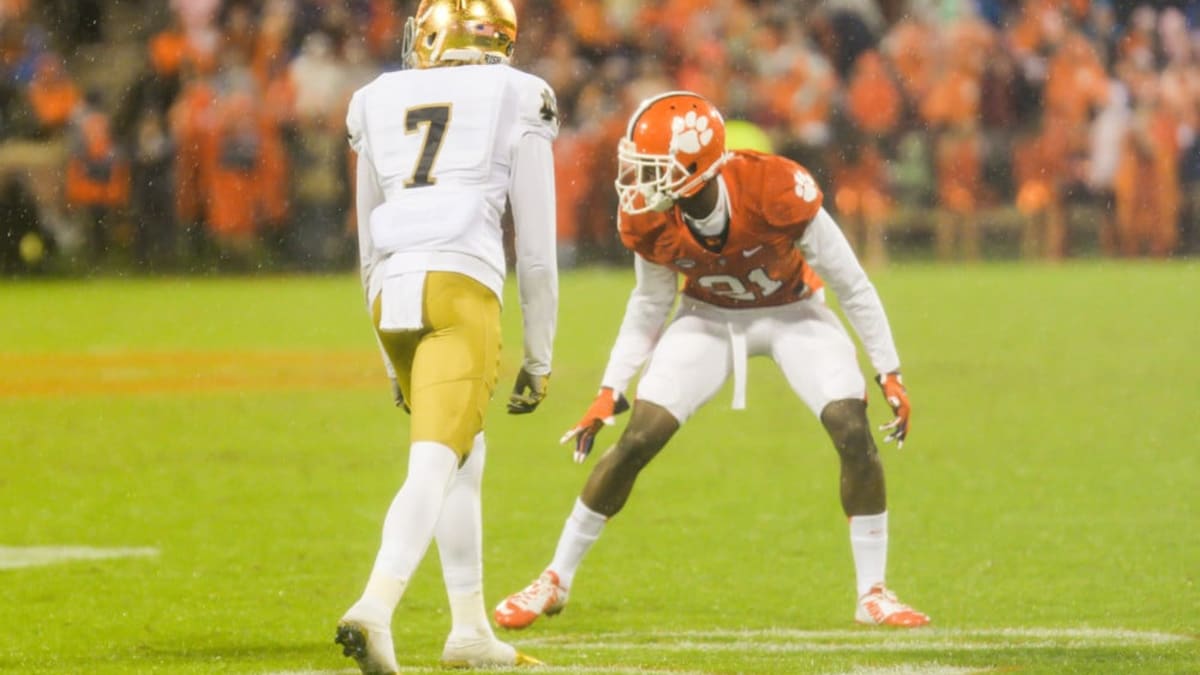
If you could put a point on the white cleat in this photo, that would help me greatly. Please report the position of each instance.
(369, 644)
(544, 596)
(483, 652)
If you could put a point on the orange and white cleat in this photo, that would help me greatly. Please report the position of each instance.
(881, 607)
(544, 596)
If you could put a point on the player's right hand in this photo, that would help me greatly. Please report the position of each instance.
(602, 413)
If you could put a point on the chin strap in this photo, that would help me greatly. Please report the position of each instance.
(655, 199)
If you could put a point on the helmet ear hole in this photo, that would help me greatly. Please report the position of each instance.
(691, 168)
(430, 39)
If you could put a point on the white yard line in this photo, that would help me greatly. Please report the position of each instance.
(792, 641)
(782, 640)
(14, 557)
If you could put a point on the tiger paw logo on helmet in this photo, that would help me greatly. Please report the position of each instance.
(690, 133)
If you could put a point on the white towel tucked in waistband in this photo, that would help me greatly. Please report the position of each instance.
(401, 302)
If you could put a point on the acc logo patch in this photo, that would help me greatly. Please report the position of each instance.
(685, 263)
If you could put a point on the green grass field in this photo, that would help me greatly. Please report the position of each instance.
(237, 434)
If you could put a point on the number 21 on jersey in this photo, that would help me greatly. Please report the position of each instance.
(734, 288)
(430, 120)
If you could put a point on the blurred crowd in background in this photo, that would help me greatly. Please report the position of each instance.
(176, 135)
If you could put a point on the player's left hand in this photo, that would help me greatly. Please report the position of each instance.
(897, 397)
(528, 392)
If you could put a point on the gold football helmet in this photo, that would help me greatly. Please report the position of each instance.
(457, 32)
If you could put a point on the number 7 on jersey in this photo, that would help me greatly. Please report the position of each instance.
(434, 118)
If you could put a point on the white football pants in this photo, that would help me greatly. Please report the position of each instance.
(704, 344)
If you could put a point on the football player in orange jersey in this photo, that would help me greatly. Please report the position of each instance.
(756, 249)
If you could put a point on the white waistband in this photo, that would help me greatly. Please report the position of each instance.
(440, 261)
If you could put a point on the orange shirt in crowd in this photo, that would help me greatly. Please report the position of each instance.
(238, 160)
(860, 186)
(1147, 185)
(384, 27)
(191, 118)
(589, 22)
(1076, 81)
(97, 175)
(909, 48)
(959, 173)
(953, 100)
(804, 97)
(168, 49)
(1037, 166)
(13, 9)
(873, 99)
(573, 158)
(705, 73)
(52, 94)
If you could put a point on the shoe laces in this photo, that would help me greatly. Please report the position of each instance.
(538, 594)
(884, 601)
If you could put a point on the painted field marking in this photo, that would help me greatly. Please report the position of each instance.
(917, 669)
(581, 670)
(122, 372)
(785, 641)
(15, 557)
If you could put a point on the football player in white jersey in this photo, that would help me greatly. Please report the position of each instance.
(440, 146)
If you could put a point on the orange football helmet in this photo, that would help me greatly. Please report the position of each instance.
(457, 32)
(675, 143)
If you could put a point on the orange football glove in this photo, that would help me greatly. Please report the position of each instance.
(897, 397)
(602, 413)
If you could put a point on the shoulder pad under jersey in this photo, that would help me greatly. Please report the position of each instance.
(791, 197)
(538, 106)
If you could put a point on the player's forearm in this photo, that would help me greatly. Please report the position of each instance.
(633, 346)
(532, 198)
(827, 251)
(864, 310)
(648, 308)
(539, 312)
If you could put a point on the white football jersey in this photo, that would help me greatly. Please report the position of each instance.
(441, 143)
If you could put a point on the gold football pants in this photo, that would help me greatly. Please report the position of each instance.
(447, 370)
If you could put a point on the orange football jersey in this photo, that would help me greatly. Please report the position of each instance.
(771, 202)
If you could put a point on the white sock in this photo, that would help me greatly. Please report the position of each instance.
(868, 541)
(407, 529)
(581, 530)
(459, 537)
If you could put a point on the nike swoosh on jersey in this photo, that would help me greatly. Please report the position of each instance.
(751, 251)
